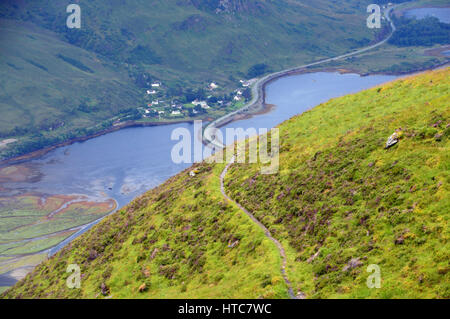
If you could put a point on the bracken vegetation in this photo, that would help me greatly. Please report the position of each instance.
(343, 202)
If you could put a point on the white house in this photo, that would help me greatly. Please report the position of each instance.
(156, 85)
(237, 98)
(213, 86)
(176, 113)
(151, 92)
(203, 104)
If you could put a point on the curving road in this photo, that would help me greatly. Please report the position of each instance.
(258, 87)
(257, 94)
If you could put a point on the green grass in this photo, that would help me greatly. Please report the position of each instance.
(42, 93)
(338, 192)
(190, 226)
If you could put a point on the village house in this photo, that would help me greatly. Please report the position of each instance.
(203, 104)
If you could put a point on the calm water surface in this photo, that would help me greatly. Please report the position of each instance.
(443, 14)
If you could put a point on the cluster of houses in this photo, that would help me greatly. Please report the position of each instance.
(174, 108)
(160, 108)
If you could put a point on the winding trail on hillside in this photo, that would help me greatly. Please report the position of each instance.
(258, 97)
(264, 228)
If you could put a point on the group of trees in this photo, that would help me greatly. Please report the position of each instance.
(257, 70)
(423, 32)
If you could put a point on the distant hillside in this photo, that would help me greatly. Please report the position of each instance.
(60, 83)
(340, 202)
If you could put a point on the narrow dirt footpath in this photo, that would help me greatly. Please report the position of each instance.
(266, 232)
(255, 97)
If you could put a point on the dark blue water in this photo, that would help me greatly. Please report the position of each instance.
(443, 14)
(120, 165)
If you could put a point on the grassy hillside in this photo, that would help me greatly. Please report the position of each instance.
(203, 38)
(51, 91)
(45, 82)
(340, 202)
(341, 196)
(175, 241)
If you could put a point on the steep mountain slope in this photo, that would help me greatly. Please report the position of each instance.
(340, 202)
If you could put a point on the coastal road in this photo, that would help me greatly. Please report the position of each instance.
(257, 94)
(258, 87)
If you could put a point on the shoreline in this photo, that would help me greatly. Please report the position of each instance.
(257, 102)
(261, 107)
(245, 112)
(256, 106)
(41, 152)
(402, 10)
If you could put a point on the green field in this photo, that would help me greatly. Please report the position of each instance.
(340, 202)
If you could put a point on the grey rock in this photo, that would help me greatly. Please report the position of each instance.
(392, 140)
(353, 263)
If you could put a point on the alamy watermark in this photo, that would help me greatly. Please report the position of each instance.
(74, 19)
(374, 280)
(245, 146)
(374, 20)
(74, 279)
